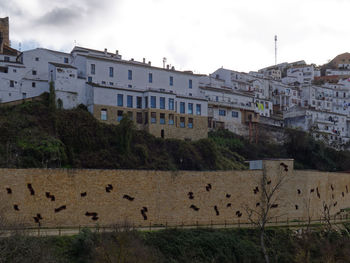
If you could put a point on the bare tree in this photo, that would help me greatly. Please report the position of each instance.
(305, 234)
(261, 214)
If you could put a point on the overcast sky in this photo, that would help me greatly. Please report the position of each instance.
(198, 35)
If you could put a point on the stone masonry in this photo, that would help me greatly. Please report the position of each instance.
(68, 197)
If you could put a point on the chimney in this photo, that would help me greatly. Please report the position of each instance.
(144, 61)
(149, 63)
(131, 59)
(167, 66)
(105, 51)
(117, 52)
(172, 68)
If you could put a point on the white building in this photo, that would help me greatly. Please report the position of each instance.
(163, 101)
(28, 75)
(304, 74)
(328, 126)
(318, 98)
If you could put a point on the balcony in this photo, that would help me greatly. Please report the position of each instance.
(232, 104)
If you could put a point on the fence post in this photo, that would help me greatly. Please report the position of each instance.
(59, 231)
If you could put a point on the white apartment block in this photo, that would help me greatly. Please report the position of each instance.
(337, 72)
(28, 75)
(284, 96)
(318, 98)
(303, 74)
(329, 126)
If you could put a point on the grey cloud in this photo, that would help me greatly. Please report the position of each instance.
(10, 7)
(66, 14)
(60, 16)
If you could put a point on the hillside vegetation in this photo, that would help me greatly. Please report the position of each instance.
(185, 246)
(36, 134)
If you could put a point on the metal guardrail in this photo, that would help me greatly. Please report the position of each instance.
(74, 230)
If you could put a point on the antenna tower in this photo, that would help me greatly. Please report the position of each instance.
(275, 50)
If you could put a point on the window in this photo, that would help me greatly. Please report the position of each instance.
(36, 59)
(171, 104)
(33, 72)
(130, 115)
(153, 117)
(14, 70)
(119, 115)
(129, 74)
(266, 105)
(139, 102)
(216, 98)
(190, 108)
(3, 69)
(93, 69)
(129, 86)
(129, 101)
(162, 118)
(150, 77)
(120, 101)
(171, 119)
(111, 83)
(222, 112)
(235, 114)
(139, 117)
(182, 122)
(146, 117)
(65, 60)
(162, 103)
(190, 83)
(33, 84)
(198, 109)
(111, 72)
(146, 102)
(171, 81)
(153, 102)
(190, 123)
(89, 79)
(103, 114)
(12, 83)
(103, 82)
(182, 107)
(7, 59)
(24, 95)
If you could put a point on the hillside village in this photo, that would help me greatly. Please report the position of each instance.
(169, 103)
